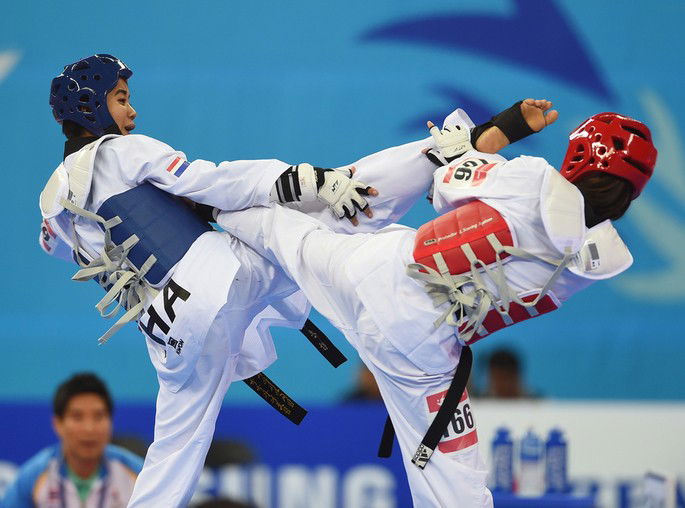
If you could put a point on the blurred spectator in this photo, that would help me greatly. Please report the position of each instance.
(366, 389)
(505, 376)
(224, 452)
(82, 469)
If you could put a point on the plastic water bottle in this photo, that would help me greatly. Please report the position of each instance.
(531, 477)
(555, 463)
(502, 461)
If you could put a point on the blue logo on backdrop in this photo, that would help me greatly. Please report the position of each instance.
(552, 47)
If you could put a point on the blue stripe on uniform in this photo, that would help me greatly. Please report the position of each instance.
(181, 168)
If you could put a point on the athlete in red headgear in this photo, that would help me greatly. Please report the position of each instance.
(611, 144)
(515, 239)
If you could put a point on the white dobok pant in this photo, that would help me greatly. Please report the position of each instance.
(185, 419)
(319, 261)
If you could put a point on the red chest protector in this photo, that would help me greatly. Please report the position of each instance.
(466, 228)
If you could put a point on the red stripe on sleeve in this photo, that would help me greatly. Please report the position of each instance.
(173, 164)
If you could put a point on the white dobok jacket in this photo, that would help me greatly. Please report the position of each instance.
(112, 165)
(545, 215)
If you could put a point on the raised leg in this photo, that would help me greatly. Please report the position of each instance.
(317, 260)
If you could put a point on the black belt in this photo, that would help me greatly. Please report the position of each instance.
(277, 398)
(442, 418)
(323, 344)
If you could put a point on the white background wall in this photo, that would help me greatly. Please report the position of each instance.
(607, 441)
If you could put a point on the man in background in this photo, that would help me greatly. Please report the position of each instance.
(365, 389)
(505, 378)
(83, 469)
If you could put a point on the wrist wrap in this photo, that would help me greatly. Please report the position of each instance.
(512, 124)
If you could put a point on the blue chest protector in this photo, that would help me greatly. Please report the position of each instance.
(165, 225)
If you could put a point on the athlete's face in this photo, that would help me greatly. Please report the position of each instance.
(85, 428)
(118, 102)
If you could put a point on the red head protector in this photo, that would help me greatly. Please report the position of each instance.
(614, 144)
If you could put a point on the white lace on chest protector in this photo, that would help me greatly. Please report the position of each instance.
(470, 298)
(67, 192)
(596, 254)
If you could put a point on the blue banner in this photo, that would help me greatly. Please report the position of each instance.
(328, 461)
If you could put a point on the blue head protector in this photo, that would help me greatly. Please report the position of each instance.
(79, 94)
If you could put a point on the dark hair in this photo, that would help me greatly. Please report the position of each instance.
(83, 382)
(608, 196)
(72, 130)
(504, 359)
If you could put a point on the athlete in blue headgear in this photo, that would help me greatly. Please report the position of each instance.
(80, 95)
(203, 299)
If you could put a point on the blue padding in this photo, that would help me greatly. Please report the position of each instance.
(165, 225)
